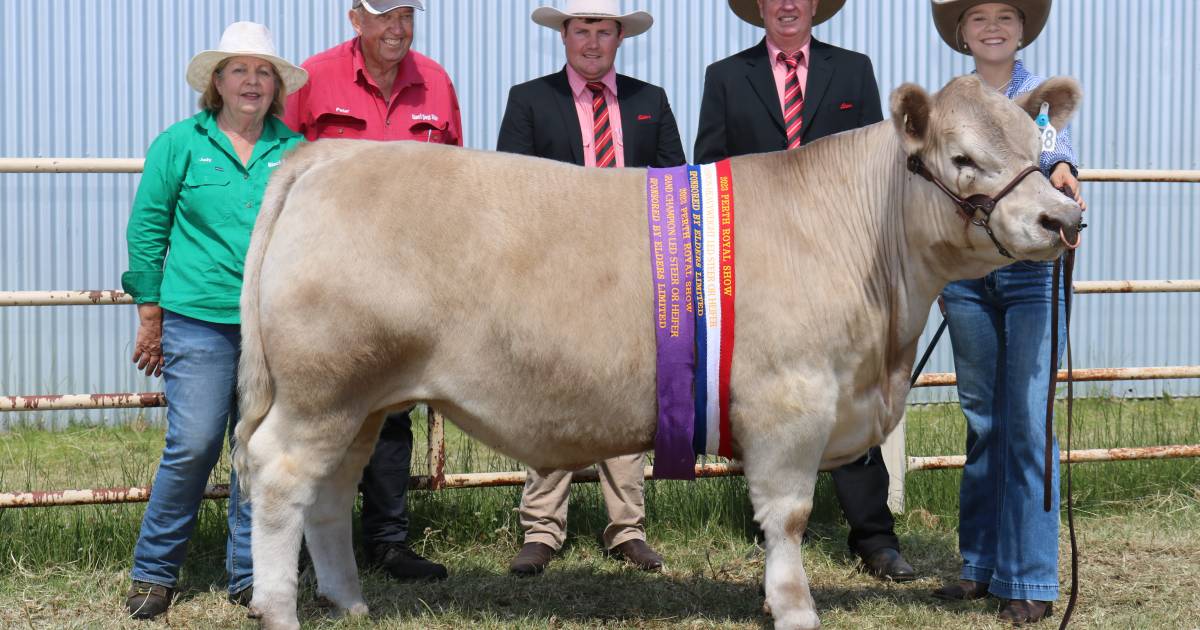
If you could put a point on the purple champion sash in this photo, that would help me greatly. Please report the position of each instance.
(669, 200)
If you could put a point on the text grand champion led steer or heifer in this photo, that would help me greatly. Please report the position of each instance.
(513, 295)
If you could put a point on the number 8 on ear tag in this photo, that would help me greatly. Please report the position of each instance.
(1047, 131)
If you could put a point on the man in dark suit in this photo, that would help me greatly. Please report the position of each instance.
(589, 115)
(786, 91)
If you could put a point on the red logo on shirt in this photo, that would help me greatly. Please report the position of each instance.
(643, 116)
(845, 106)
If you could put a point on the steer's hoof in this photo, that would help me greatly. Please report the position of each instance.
(798, 620)
(274, 623)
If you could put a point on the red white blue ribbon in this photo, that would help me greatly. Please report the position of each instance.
(690, 219)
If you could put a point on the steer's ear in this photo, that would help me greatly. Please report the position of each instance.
(910, 113)
(1062, 93)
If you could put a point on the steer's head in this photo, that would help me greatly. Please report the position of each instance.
(977, 143)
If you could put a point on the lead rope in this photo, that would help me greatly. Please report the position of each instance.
(1068, 273)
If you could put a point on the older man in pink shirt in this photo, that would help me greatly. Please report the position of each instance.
(589, 115)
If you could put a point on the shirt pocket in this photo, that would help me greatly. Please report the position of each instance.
(206, 197)
(432, 132)
(331, 125)
(845, 108)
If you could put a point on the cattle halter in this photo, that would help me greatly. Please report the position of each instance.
(975, 204)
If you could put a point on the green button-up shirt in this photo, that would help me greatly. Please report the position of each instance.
(193, 215)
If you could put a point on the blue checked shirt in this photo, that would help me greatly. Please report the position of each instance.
(1025, 81)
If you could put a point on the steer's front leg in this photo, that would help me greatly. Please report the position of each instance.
(782, 477)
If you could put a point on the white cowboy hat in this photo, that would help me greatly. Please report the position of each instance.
(244, 39)
(632, 24)
(748, 11)
(948, 13)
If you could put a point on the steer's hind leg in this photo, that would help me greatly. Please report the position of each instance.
(782, 477)
(327, 526)
(289, 455)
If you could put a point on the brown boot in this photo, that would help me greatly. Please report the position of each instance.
(639, 554)
(1019, 612)
(147, 601)
(532, 559)
(964, 590)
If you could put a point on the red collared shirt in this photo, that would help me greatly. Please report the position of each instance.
(583, 108)
(341, 100)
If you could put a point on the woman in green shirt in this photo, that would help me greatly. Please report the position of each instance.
(188, 233)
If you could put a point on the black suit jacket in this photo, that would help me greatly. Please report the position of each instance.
(740, 111)
(540, 120)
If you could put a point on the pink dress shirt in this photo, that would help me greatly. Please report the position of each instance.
(583, 108)
(779, 69)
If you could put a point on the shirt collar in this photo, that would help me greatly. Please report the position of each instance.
(773, 51)
(406, 74)
(1018, 78)
(273, 129)
(579, 84)
(1019, 75)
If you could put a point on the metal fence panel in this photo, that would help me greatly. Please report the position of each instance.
(102, 78)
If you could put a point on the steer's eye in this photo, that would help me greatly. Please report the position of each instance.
(962, 161)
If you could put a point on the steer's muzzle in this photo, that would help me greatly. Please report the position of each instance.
(1065, 223)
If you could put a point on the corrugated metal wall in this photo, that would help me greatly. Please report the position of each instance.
(102, 78)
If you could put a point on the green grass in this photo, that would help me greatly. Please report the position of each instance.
(68, 567)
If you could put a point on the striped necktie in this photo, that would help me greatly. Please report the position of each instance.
(602, 139)
(793, 99)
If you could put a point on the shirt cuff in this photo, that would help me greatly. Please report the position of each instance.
(144, 286)
(1074, 171)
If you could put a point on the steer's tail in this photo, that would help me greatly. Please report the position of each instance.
(256, 391)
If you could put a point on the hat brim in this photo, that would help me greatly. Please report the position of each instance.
(747, 10)
(946, 16)
(200, 69)
(632, 24)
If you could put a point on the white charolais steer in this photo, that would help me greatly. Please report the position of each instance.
(513, 295)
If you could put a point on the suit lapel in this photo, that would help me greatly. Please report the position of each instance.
(820, 71)
(762, 81)
(565, 104)
(629, 126)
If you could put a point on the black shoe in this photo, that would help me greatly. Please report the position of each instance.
(402, 563)
(531, 559)
(147, 601)
(888, 564)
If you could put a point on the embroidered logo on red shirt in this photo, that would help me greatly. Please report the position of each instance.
(845, 106)
(643, 116)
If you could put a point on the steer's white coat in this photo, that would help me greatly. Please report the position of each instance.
(513, 295)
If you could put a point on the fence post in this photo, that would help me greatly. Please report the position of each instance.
(896, 460)
(436, 439)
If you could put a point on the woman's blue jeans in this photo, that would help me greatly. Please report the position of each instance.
(1000, 329)
(200, 374)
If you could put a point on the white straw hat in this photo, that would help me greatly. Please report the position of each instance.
(244, 39)
(632, 24)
